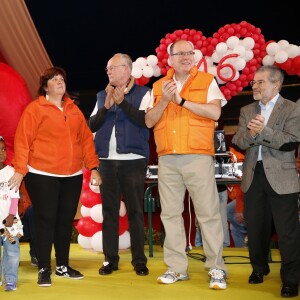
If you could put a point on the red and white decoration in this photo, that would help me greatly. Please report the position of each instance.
(90, 225)
(232, 55)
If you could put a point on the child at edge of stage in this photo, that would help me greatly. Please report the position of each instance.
(10, 225)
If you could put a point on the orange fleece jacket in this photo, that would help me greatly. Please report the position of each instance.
(53, 141)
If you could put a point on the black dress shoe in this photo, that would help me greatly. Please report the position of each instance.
(141, 269)
(257, 277)
(107, 268)
(289, 290)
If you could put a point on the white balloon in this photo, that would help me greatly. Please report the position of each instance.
(156, 71)
(281, 56)
(248, 43)
(221, 48)
(209, 61)
(212, 70)
(268, 60)
(168, 48)
(226, 72)
(95, 188)
(198, 55)
(248, 55)
(216, 57)
(96, 241)
(96, 213)
(220, 81)
(85, 211)
(230, 60)
(136, 72)
(232, 42)
(122, 211)
(152, 60)
(283, 44)
(124, 240)
(292, 51)
(239, 50)
(141, 62)
(272, 48)
(84, 242)
(239, 64)
(236, 76)
(148, 71)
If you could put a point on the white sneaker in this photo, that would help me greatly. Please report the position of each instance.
(217, 279)
(171, 277)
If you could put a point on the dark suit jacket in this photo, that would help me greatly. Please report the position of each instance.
(279, 140)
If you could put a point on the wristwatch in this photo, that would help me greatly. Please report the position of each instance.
(96, 168)
(182, 102)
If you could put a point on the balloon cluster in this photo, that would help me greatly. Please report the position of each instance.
(144, 68)
(285, 55)
(90, 225)
(232, 55)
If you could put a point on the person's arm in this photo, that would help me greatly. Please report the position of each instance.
(96, 121)
(211, 110)
(136, 115)
(285, 136)
(154, 114)
(9, 220)
(243, 138)
(98, 115)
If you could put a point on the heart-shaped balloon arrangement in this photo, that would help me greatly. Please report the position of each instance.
(232, 54)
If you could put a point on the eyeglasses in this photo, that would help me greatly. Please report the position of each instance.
(182, 53)
(112, 68)
(258, 82)
(1, 138)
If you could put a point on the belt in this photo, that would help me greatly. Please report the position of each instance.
(259, 162)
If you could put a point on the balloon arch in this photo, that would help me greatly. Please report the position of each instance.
(232, 55)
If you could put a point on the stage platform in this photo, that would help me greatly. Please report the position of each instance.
(125, 284)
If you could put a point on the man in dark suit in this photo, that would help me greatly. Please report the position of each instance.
(269, 131)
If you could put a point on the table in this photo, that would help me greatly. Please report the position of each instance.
(149, 203)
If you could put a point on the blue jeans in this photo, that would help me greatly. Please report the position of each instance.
(238, 231)
(10, 260)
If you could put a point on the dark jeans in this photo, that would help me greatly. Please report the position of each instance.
(55, 201)
(126, 178)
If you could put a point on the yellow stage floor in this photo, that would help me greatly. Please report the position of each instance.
(125, 284)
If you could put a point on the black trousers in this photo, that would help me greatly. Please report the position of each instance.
(28, 229)
(55, 201)
(123, 178)
(263, 207)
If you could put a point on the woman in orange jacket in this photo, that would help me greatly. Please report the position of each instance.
(52, 144)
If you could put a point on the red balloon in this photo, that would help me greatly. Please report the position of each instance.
(88, 198)
(88, 227)
(14, 97)
(296, 63)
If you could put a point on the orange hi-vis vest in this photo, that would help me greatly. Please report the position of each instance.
(180, 131)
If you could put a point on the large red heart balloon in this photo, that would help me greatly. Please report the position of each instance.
(208, 45)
